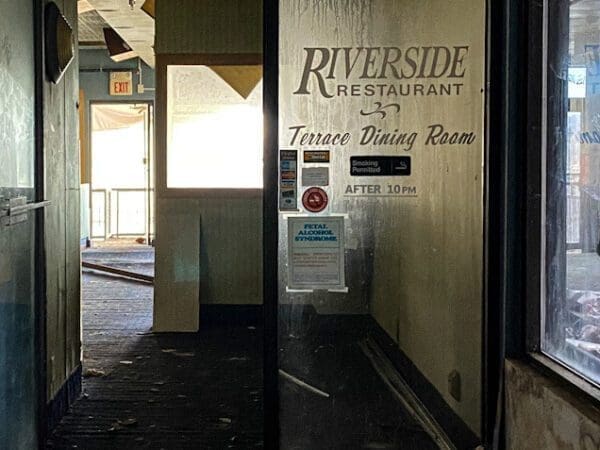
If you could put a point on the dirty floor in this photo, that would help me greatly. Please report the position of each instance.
(141, 390)
(204, 390)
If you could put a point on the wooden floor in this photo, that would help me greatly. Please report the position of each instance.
(360, 412)
(184, 391)
(204, 390)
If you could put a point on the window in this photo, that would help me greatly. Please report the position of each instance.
(570, 331)
(214, 130)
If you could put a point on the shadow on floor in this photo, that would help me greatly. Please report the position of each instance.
(204, 390)
(173, 391)
(361, 412)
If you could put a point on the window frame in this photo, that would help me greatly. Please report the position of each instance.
(537, 141)
(163, 61)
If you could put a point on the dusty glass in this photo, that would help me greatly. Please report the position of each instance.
(571, 304)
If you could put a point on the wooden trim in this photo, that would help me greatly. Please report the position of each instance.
(160, 126)
(225, 193)
(83, 144)
(59, 405)
(114, 271)
(533, 208)
(555, 370)
(210, 59)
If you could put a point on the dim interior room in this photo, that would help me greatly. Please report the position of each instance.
(299, 224)
(381, 303)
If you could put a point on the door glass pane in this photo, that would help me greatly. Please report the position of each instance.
(571, 331)
(17, 326)
(381, 144)
(131, 212)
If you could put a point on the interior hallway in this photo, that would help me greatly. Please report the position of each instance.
(171, 391)
(204, 390)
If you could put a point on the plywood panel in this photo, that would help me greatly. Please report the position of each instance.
(177, 271)
(54, 146)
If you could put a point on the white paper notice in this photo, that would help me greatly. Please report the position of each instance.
(316, 252)
(315, 176)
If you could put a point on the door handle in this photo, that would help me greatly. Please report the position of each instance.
(14, 210)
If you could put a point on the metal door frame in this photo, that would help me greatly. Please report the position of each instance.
(40, 315)
(503, 37)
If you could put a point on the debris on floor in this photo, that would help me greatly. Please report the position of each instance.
(176, 399)
(302, 384)
(94, 373)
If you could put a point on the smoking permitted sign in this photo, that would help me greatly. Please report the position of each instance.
(316, 252)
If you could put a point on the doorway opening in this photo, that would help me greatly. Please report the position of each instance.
(119, 203)
(121, 198)
(117, 209)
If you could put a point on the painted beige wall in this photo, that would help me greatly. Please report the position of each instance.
(421, 257)
(62, 231)
(208, 26)
(208, 247)
(428, 263)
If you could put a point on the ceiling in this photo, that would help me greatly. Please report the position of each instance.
(90, 28)
(133, 25)
(137, 28)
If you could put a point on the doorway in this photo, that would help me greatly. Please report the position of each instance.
(120, 231)
(121, 198)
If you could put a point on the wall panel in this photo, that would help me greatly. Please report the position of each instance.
(61, 157)
(230, 234)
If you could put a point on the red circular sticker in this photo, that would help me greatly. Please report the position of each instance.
(314, 199)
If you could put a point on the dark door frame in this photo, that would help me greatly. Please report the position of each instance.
(39, 252)
(505, 57)
(270, 221)
(506, 163)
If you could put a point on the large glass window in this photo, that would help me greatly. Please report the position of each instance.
(214, 127)
(571, 307)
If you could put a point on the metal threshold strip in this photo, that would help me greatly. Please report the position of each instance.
(404, 393)
(124, 273)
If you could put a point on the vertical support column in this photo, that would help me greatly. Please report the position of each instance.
(270, 218)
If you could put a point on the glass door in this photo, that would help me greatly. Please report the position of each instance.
(380, 217)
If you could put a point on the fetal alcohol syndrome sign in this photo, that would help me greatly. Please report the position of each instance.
(316, 252)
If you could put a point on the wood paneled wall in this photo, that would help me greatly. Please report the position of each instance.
(62, 231)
